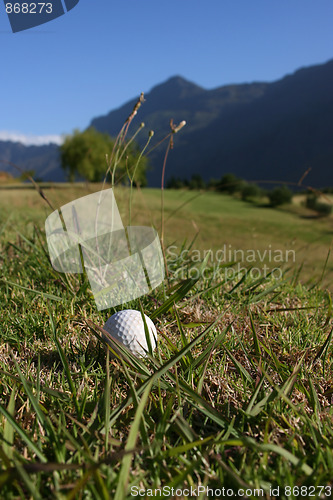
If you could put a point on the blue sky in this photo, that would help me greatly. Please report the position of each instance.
(102, 53)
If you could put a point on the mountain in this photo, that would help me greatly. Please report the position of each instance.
(259, 131)
(43, 160)
(179, 99)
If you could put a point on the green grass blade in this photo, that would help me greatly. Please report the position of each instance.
(161, 370)
(4, 225)
(257, 298)
(31, 445)
(200, 404)
(276, 393)
(29, 483)
(31, 290)
(147, 334)
(252, 410)
(35, 403)
(51, 392)
(288, 456)
(239, 367)
(314, 400)
(8, 432)
(183, 289)
(65, 364)
(214, 344)
(188, 446)
(323, 350)
(256, 342)
(121, 490)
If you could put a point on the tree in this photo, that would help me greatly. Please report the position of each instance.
(84, 154)
(230, 183)
(279, 196)
(213, 183)
(175, 183)
(250, 191)
(197, 182)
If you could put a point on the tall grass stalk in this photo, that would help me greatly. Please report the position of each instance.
(132, 177)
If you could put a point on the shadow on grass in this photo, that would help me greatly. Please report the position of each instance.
(313, 216)
(84, 359)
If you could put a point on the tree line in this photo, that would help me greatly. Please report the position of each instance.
(250, 191)
(233, 185)
(83, 156)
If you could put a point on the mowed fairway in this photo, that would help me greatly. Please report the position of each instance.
(287, 238)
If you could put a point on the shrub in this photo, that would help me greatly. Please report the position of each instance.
(311, 200)
(280, 196)
(323, 208)
(320, 207)
(250, 191)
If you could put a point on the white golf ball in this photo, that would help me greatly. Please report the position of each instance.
(128, 327)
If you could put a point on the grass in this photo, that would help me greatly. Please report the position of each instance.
(218, 220)
(237, 395)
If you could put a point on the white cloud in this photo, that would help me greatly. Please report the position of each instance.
(30, 139)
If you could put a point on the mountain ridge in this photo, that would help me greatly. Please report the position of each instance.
(44, 160)
(257, 130)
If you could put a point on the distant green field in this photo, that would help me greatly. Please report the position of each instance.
(218, 223)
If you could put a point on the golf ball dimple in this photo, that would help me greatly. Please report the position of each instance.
(128, 327)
